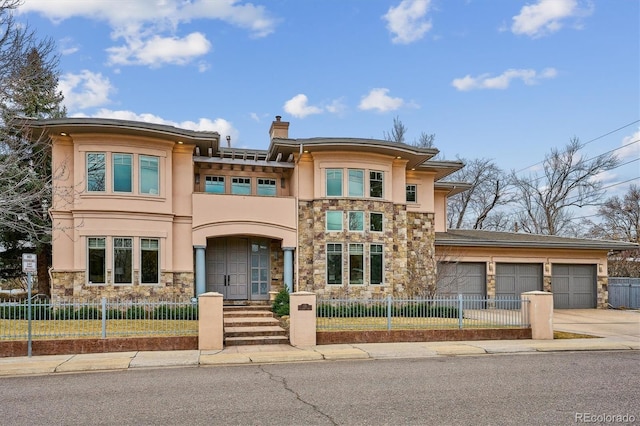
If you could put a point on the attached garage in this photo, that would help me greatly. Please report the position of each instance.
(573, 286)
(467, 278)
(512, 279)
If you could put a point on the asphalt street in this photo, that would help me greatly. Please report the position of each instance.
(526, 388)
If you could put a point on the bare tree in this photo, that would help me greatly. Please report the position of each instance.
(474, 208)
(398, 132)
(567, 180)
(620, 220)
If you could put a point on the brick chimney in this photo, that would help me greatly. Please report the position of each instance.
(279, 129)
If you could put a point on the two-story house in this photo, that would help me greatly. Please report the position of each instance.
(151, 211)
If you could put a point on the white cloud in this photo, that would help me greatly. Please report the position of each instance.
(486, 81)
(407, 21)
(157, 50)
(630, 147)
(85, 90)
(298, 106)
(337, 106)
(68, 46)
(547, 16)
(377, 99)
(219, 125)
(149, 26)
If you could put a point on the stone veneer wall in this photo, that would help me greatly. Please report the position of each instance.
(602, 292)
(277, 266)
(67, 285)
(398, 242)
(421, 259)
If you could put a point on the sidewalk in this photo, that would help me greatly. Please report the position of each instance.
(267, 354)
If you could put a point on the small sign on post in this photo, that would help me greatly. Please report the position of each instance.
(29, 263)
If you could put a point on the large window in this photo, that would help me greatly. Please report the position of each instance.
(149, 261)
(149, 175)
(96, 260)
(334, 182)
(375, 184)
(122, 260)
(375, 264)
(122, 172)
(96, 167)
(267, 187)
(356, 183)
(356, 264)
(412, 194)
(241, 186)
(214, 184)
(334, 220)
(334, 263)
(356, 221)
(375, 220)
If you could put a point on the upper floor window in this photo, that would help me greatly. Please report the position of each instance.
(375, 184)
(334, 220)
(241, 186)
(356, 183)
(375, 222)
(334, 182)
(122, 172)
(96, 171)
(356, 221)
(214, 184)
(267, 187)
(412, 194)
(149, 175)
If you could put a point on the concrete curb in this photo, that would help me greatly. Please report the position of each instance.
(53, 364)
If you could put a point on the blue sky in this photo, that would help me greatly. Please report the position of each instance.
(502, 79)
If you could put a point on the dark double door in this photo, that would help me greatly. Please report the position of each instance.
(238, 268)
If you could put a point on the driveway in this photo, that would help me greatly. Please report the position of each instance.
(599, 322)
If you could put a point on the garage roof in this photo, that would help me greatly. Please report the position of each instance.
(480, 238)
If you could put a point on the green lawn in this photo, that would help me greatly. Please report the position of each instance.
(55, 329)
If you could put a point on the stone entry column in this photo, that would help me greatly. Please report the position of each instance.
(201, 271)
(288, 268)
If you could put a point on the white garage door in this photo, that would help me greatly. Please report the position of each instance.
(573, 286)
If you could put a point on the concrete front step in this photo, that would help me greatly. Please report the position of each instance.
(256, 340)
(252, 314)
(250, 322)
(252, 325)
(246, 308)
(272, 330)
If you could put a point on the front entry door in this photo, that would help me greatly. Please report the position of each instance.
(227, 267)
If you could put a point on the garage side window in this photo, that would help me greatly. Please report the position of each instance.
(96, 171)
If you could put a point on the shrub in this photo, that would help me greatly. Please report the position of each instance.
(136, 312)
(280, 305)
(186, 312)
(65, 313)
(88, 312)
(163, 312)
(114, 314)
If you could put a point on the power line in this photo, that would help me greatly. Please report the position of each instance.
(586, 143)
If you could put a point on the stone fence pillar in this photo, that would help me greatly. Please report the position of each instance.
(302, 318)
(210, 322)
(540, 309)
